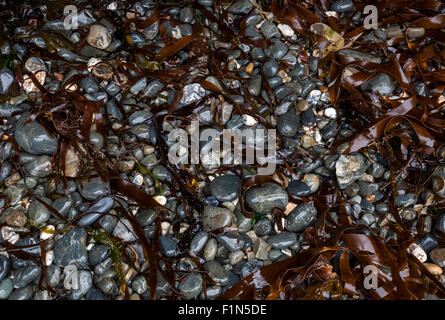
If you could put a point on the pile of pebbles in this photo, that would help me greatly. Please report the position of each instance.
(304, 118)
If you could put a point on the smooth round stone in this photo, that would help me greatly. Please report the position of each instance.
(98, 253)
(15, 193)
(216, 272)
(270, 30)
(71, 248)
(232, 242)
(278, 50)
(5, 267)
(33, 137)
(186, 15)
(214, 218)
(438, 257)
(288, 123)
(225, 188)
(146, 217)
(288, 91)
(366, 205)
(275, 254)
(367, 188)
(99, 37)
(6, 288)
(101, 206)
(262, 227)
(298, 188)
(108, 286)
(308, 118)
(377, 170)
(352, 190)
(153, 88)
(124, 230)
(301, 217)
(270, 68)
(381, 84)
(22, 294)
(191, 285)
(94, 294)
(168, 246)
(38, 212)
(16, 219)
(93, 188)
(25, 276)
(282, 240)
(428, 243)
(254, 86)
(212, 293)
(198, 242)
(53, 275)
(210, 249)
(108, 222)
(263, 200)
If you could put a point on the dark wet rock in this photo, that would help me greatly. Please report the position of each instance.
(298, 188)
(53, 275)
(225, 188)
(124, 230)
(198, 242)
(33, 137)
(232, 242)
(308, 118)
(98, 253)
(428, 243)
(216, 272)
(262, 227)
(282, 240)
(25, 276)
(96, 211)
(191, 285)
(288, 123)
(381, 84)
(71, 248)
(270, 68)
(215, 218)
(22, 293)
(168, 246)
(93, 188)
(301, 217)
(270, 30)
(263, 200)
(146, 217)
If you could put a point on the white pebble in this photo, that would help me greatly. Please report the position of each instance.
(160, 199)
(249, 120)
(331, 113)
(49, 259)
(286, 30)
